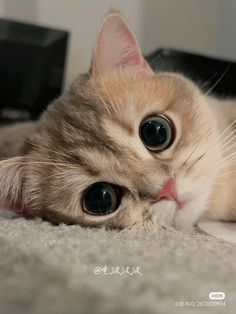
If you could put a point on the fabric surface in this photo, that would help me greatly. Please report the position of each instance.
(219, 229)
(50, 269)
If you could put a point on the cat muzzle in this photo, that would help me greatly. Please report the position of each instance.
(168, 192)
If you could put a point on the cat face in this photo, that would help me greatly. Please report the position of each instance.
(122, 147)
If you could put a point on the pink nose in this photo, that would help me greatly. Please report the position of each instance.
(167, 192)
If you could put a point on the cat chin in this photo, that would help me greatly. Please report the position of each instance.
(163, 213)
(166, 214)
(186, 217)
(189, 215)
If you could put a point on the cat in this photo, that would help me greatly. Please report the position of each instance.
(125, 147)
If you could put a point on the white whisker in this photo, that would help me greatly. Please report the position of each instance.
(44, 163)
(219, 140)
(229, 164)
(128, 229)
(224, 142)
(49, 177)
(104, 103)
(227, 158)
(231, 136)
(108, 96)
(48, 149)
(219, 79)
(225, 174)
(227, 148)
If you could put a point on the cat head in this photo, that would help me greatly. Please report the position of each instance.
(124, 146)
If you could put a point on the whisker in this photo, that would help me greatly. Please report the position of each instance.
(126, 229)
(225, 165)
(28, 157)
(155, 58)
(225, 174)
(48, 149)
(218, 143)
(108, 96)
(230, 137)
(229, 164)
(219, 80)
(227, 148)
(97, 93)
(43, 163)
(227, 158)
(221, 180)
(224, 142)
(189, 156)
(104, 103)
(229, 126)
(196, 161)
(49, 177)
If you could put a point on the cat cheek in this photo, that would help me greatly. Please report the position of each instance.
(162, 213)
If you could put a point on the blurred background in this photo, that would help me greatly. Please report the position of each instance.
(200, 26)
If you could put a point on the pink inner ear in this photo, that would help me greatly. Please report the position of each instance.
(11, 176)
(11, 187)
(18, 207)
(117, 47)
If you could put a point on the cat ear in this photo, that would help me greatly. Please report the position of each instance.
(116, 47)
(11, 179)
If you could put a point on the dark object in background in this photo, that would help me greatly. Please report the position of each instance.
(213, 74)
(32, 66)
(32, 63)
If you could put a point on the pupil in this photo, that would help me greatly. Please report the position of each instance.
(100, 199)
(154, 133)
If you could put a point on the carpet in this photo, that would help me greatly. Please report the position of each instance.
(70, 269)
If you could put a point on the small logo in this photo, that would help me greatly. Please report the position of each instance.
(215, 295)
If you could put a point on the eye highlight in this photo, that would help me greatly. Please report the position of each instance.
(156, 133)
(101, 199)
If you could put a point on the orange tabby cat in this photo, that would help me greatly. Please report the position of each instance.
(125, 146)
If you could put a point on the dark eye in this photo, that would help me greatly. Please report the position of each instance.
(156, 133)
(101, 199)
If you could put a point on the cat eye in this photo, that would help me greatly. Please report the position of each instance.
(101, 199)
(156, 133)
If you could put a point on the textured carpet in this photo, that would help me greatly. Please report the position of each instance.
(50, 269)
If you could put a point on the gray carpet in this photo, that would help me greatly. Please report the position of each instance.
(50, 269)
